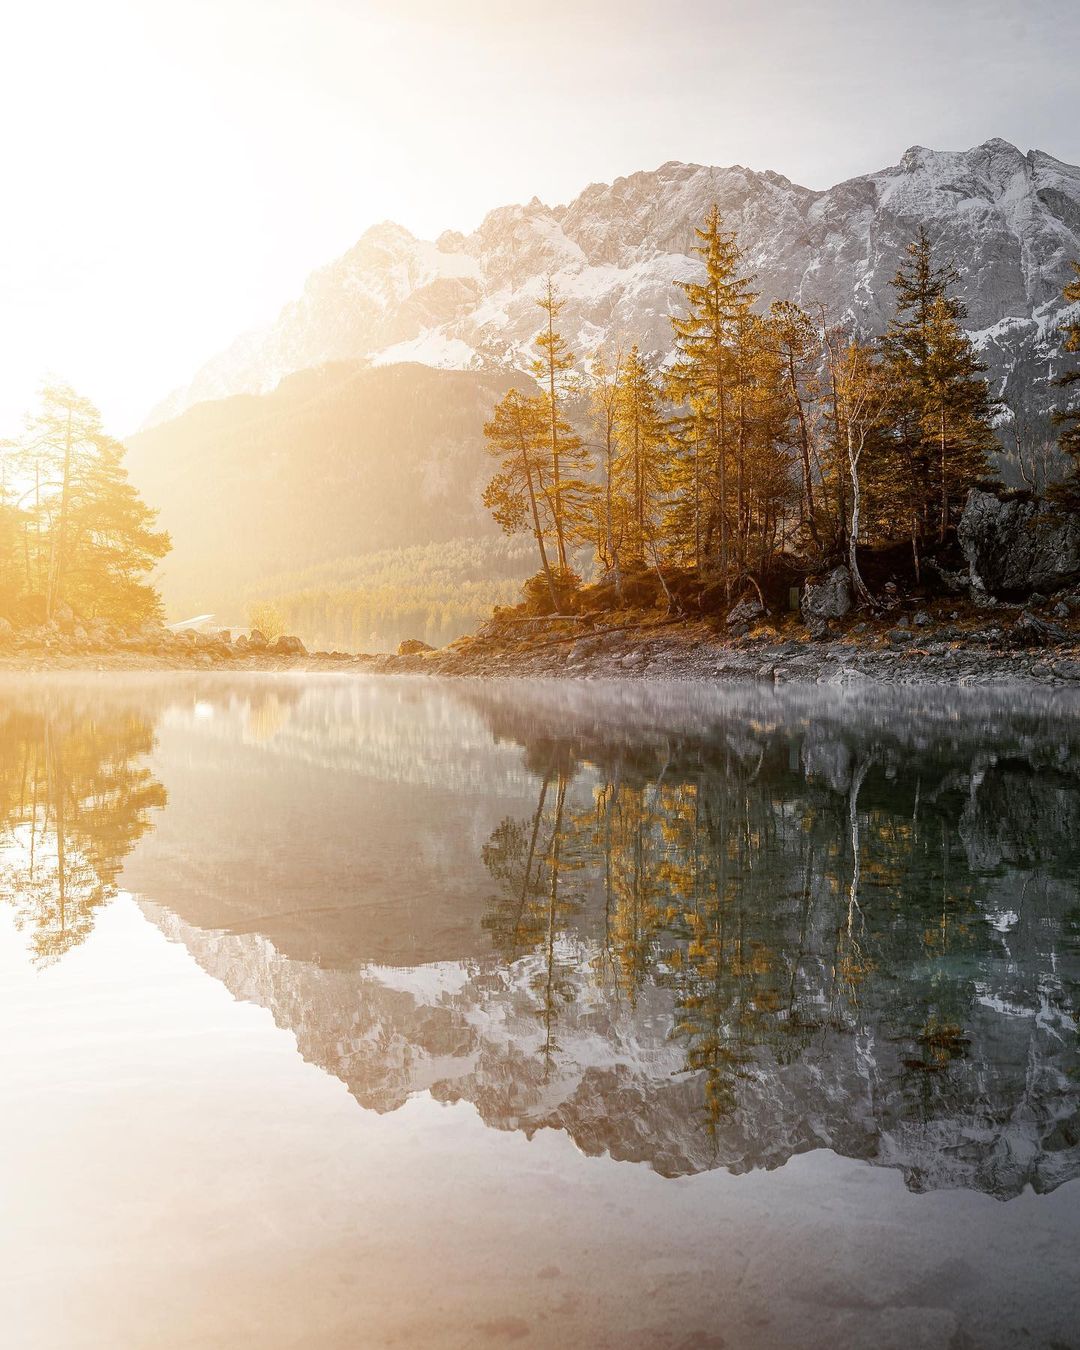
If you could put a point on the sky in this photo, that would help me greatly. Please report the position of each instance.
(173, 169)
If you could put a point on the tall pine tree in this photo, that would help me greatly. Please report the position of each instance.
(703, 374)
(1068, 419)
(944, 420)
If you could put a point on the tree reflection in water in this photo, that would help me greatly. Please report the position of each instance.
(794, 893)
(75, 797)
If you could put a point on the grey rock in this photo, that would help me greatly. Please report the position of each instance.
(827, 597)
(744, 613)
(1015, 543)
(1029, 631)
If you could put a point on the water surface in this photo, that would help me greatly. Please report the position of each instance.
(348, 1012)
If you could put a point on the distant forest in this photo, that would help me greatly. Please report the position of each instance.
(436, 592)
(771, 445)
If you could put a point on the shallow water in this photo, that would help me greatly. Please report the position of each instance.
(348, 1012)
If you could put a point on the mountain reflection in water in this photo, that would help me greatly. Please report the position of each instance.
(691, 927)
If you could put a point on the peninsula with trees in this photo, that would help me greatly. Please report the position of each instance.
(779, 497)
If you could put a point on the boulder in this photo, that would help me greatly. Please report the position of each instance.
(1015, 543)
(287, 645)
(413, 647)
(742, 615)
(257, 641)
(1030, 631)
(826, 597)
(65, 618)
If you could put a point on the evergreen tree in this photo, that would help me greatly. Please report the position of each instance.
(609, 516)
(1069, 418)
(944, 420)
(798, 348)
(517, 495)
(703, 372)
(641, 465)
(89, 541)
(568, 455)
(957, 410)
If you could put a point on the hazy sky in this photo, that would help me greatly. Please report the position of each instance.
(172, 171)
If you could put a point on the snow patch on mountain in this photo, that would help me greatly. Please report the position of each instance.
(1009, 221)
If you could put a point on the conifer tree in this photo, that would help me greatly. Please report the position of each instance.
(945, 415)
(642, 460)
(517, 496)
(609, 529)
(702, 373)
(568, 455)
(89, 541)
(799, 350)
(958, 411)
(1069, 417)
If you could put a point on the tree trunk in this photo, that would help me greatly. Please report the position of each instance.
(856, 506)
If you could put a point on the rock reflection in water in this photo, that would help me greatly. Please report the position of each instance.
(692, 928)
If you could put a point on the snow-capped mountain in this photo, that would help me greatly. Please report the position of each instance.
(1009, 221)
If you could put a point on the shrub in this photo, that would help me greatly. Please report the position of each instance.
(267, 618)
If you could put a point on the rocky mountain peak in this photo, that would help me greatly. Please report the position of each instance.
(1009, 221)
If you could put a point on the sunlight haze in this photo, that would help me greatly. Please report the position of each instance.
(177, 171)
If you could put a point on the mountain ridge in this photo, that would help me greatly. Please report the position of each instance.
(1009, 220)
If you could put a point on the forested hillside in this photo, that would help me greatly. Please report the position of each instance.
(335, 463)
(435, 592)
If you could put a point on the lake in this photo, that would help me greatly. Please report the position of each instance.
(348, 1012)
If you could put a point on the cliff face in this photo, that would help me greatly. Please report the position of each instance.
(1009, 221)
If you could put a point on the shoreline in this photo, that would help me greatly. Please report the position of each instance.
(689, 650)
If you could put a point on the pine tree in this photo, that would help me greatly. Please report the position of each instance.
(944, 418)
(1069, 418)
(89, 541)
(568, 455)
(642, 443)
(609, 518)
(798, 347)
(957, 410)
(702, 374)
(516, 496)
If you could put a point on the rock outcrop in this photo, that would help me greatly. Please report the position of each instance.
(1015, 543)
(826, 597)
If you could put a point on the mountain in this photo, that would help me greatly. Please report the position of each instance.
(341, 461)
(1009, 221)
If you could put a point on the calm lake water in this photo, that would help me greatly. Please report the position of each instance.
(359, 1012)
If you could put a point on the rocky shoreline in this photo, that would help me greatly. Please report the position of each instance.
(899, 649)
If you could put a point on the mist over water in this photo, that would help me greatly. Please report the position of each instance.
(696, 933)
